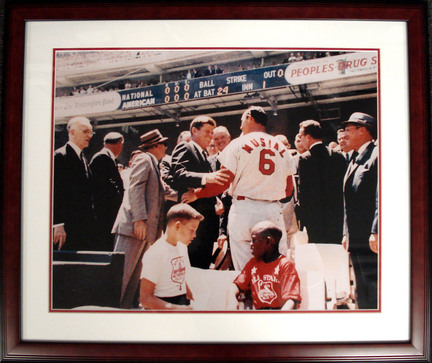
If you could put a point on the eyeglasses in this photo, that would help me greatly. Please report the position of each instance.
(88, 132)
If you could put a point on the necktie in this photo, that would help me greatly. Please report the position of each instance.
(352, 162)
(354, 156)
(206, 162)
(83, 160)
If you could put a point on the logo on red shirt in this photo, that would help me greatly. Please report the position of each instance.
(266, 292)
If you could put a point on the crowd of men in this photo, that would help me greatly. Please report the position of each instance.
(251, 193)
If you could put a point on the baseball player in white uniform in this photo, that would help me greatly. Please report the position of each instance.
(259, 167)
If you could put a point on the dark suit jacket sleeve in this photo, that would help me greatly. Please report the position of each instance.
(375, 221)
(60, 176)
(183, 162)
(165, 166)
(227, 202)
(106, 177)
(107, 184)
(101, 167)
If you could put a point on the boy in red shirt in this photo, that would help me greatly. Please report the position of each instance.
(270, 276)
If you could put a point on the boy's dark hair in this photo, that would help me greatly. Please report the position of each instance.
(273, 232)
(200, 121)
(258, 114)
(312, 128)
(181, 212)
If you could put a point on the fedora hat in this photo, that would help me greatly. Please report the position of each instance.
(151, 138)
(360, 118)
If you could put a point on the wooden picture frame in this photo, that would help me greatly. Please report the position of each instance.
(417, 348)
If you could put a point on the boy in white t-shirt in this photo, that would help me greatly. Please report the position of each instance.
(163, 276)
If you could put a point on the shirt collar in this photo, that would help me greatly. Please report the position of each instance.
(315, 143)
(196, 145)
(153, 157)
(111, 154)
(363, 147)
(76, 148)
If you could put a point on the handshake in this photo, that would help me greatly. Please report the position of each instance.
(215, 183)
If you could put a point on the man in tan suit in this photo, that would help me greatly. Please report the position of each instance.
(140, 219)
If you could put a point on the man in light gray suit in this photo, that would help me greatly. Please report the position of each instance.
(140, 219)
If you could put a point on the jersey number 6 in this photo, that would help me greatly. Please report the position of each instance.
(266, 166)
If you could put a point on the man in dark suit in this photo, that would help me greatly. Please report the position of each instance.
(74, 216)
(208, 71)
(108, 188)
(361, 207)
(165, 163)
(190, 169)
(321, 171)
(165, 170)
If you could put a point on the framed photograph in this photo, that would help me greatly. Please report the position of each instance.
(133, 68)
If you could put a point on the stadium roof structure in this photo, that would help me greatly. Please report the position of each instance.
(259, 85)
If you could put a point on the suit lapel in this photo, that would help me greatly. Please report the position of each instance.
(87, 167)
(78, 161)
(109, 155)
(351, 168)
(359, 160)
(156, 168)
(198, 154)
(202, 161)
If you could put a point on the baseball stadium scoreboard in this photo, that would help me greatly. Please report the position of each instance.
(204, 87)
(219, 85)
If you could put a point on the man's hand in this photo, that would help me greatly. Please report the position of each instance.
(373, 242)
(59, 236)
(221, 240)
(189, 196)
(219, 207)
(218, 177)
(344, 241)
(140, 230)
(189, 294)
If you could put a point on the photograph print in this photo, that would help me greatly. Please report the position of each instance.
(216, 180)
